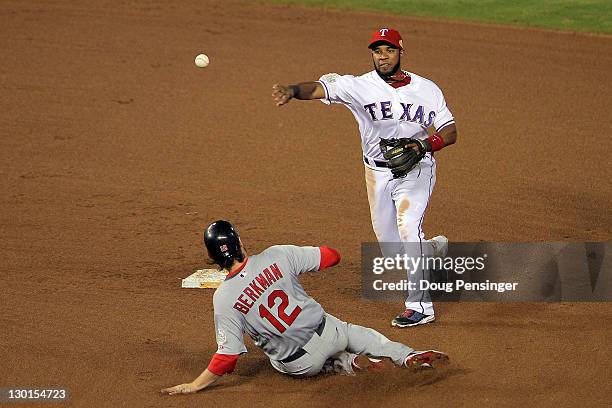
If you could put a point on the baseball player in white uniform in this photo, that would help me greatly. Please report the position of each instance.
(262, 296)
(391, 106)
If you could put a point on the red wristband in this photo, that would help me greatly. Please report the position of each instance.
(436, 142)
(223, 363)
(329, 257)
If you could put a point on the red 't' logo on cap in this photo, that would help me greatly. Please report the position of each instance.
(388, 35)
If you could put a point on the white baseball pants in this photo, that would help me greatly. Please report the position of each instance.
(397, 208)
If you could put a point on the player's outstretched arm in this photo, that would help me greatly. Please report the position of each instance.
(282, 94)
(204, 380)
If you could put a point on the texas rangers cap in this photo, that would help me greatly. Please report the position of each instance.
(387, 35)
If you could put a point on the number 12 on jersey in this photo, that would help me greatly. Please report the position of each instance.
(284, 302)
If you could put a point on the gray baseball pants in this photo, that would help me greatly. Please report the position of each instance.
(340, 336)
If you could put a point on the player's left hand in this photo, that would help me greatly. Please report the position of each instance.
(187, 388)
(420, 146)
(402, 154)
(281, 94)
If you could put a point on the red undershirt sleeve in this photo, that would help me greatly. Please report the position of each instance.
(329, 257)
(223, 363)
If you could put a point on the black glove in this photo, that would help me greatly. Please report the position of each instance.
(402, 155)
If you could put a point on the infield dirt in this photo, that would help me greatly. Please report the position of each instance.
(117, 151)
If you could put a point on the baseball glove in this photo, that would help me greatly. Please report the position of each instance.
(401, 155)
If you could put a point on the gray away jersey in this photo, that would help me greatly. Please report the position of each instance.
(266, 300)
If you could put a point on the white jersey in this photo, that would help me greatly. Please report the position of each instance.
(266, 300)
(386, 112)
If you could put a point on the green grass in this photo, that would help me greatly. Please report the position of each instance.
(576, 15)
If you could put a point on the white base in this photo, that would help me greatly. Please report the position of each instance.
(204, 278)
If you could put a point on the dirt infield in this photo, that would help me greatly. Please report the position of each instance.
(117, 151)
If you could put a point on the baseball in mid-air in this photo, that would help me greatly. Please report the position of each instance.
(202, 60)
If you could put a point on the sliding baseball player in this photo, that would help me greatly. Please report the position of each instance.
(262, 297)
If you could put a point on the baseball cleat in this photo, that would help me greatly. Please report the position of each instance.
(425, 359)
(410, 318)
(440, 246)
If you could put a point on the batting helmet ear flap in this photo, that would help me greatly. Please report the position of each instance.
(223, 243)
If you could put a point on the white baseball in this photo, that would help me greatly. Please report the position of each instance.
(202, 60)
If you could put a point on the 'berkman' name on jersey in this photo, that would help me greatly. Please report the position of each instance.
(257, 286)
(386, 113)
